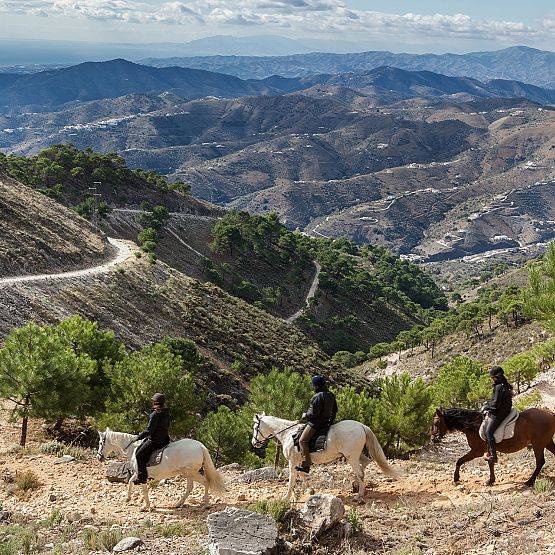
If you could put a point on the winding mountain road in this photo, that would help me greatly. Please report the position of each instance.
(123, 252)
(310, 294)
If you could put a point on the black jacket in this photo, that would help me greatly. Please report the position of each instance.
(322, 411)
(158, 427)
(501, 401)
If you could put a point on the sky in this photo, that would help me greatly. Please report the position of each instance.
(397, 25)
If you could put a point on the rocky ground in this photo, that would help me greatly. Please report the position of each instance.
(74, 509)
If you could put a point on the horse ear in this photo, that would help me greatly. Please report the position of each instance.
(263, 414)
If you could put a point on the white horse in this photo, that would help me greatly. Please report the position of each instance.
(345, 439)
(186, 457)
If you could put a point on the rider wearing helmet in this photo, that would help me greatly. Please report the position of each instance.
(319, 417)
(498, 407)
(155, 435)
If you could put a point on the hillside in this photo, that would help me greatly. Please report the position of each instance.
(520, 63)
(143, 303)
(37, 235)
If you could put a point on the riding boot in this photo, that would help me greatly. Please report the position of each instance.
(492, 451)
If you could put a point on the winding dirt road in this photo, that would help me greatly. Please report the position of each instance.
(310, 294)
(123, 252)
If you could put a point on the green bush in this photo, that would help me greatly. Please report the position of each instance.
(461, 383)
(133, 381)
(403, 413)
(521, 369)
(277, 509)
(354, 405)
(226, 434)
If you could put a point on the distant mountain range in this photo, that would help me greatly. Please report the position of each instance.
(14, 52)
(516, 63)
(47, 90)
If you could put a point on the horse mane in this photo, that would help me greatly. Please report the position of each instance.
(462, 419)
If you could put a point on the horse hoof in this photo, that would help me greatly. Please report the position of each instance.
(490, 483)
(529, 484)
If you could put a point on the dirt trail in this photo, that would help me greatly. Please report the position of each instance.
(123, 249)
(310, 294)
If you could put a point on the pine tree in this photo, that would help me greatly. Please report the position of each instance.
(540, 295)
(42, 375)
(521, 369)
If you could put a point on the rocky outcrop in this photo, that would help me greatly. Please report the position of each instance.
(240, 532)
(321, 512)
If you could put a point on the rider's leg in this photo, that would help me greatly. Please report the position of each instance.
(304, 444)
(143, 455)
(493, 424)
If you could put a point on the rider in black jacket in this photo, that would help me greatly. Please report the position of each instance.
(498, 407)
(155, 435)
(319, 417)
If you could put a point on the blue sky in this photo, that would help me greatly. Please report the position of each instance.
(410, 25)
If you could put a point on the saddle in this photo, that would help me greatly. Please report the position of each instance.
(506, 429)
(156, 457)
(317, 443)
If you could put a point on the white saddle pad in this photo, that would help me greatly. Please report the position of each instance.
(506, 429)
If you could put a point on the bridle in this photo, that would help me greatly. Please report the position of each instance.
(259, 443)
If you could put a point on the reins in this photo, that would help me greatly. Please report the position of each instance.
(265, 439)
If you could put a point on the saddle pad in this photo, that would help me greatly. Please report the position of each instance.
(156, 457)
(506, 429)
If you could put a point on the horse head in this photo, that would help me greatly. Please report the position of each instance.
(439, 428)
(259, 439)
(104, 445)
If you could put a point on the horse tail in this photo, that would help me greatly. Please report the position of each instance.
(376, 452)
(213, 477)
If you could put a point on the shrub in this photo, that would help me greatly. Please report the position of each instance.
(543, 485)
(104, 540)
(532, 399)
(461, 383)
(284, 394)
(354, 405)
(277, 509)
(226, 434)
(27, 481)
(41, 373)
(133, 381)
(171, 530)
(353, 519)
(403, 413)
(521, 369)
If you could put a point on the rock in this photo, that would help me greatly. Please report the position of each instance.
(266, 474)
(127, 544)
(233, 467)
(236, 531)
(322, 512)
(64, 459)
(5, 516)
(52, 497)
(119, 472)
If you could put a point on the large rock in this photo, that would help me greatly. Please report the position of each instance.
(127, 544)
(119, 472)
(266, 474)
(322, 512)
(236, 531)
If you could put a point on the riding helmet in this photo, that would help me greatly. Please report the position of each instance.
(318, 382)
(496, 371)
(159, 399)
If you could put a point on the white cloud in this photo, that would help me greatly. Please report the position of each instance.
(301, 15)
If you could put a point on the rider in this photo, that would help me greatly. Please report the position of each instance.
(498, 407)
(155, 436)
(319, 417)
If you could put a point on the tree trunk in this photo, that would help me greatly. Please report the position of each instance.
(24, 423)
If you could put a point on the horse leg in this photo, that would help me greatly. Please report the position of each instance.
(471, 455)
(491, 480)
(364, 462)
(188, 491)
(292, 480)
(540, 461)
(129, 488)
(359, 475)
(146, 499)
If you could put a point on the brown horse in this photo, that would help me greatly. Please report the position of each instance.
(534, 427)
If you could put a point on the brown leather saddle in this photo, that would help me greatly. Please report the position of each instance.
(317, 443)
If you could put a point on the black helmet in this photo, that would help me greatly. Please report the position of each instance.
(496, 371)
(159, 399)
(318, 382)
